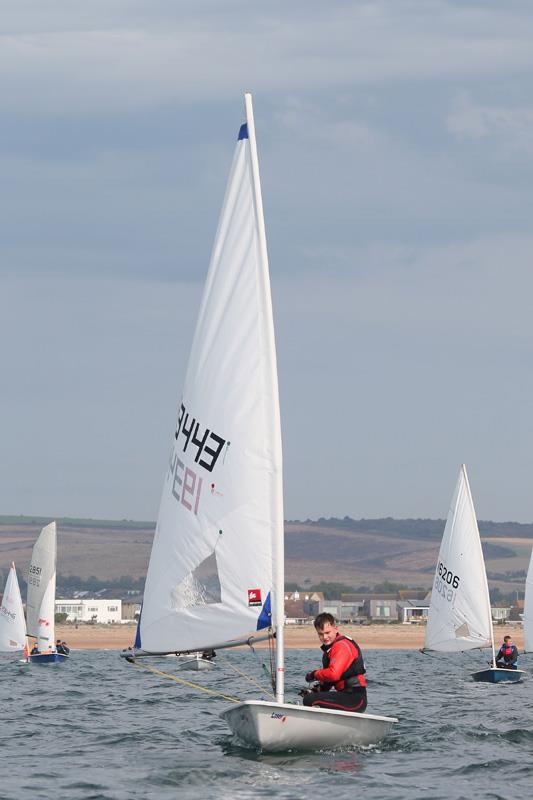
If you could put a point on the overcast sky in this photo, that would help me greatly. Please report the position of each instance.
(396, 150)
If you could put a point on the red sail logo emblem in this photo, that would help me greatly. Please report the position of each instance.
(254, 597)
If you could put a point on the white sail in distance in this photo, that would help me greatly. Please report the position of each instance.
(12, 622)
(210, 577)
(528, 609)
(41, 588)
(459, 614)
(46, 617)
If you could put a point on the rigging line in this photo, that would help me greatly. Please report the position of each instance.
(273, 672)
(429, 653)
(245, 675)
(186, 683)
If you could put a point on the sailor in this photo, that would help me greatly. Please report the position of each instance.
(507, 657)
(208, 655)
(342, 669)
(35, 650)
(61, 647)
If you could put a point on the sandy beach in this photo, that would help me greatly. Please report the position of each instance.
(370, 637)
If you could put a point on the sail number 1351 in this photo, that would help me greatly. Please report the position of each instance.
(447, 576)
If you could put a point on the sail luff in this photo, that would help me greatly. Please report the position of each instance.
(528, 609)
(274, 422)
(487, 593)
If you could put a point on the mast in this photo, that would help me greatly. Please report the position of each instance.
(273, 425)
(487, 593)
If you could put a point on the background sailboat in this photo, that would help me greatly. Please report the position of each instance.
(216, 572)
(12, 622)
(459, 614)
(188, 661)
(40, 605)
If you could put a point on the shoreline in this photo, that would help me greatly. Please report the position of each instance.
(370, 637)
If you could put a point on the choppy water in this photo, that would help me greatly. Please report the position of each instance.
(98, 728)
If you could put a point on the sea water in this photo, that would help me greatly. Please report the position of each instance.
(98, 728)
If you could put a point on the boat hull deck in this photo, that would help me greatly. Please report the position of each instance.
(497, 675)
(278, 727)
(48, 658)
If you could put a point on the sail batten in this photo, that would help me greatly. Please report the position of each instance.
(459, 614)
(211, 566)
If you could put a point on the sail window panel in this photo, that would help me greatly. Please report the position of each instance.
(200, 587)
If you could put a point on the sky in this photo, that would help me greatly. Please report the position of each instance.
(395, 142)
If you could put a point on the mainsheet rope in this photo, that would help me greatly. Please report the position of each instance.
(204, 688)
(248, 677)
(186, 683)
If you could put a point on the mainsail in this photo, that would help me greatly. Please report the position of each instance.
(459, 614)
(42, 588)
(210, 580)
(528, 609)
(12, 622)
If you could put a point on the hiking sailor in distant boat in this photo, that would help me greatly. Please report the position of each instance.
(61, 647)
(208, 655)
(507, 657)
(343, 668)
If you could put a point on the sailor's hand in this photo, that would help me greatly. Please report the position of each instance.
(310, 677)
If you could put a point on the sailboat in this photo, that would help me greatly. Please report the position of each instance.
(40, 604)
(216, 572)
(12, 622)
(459, 614)
(528, 609)
(196, 662)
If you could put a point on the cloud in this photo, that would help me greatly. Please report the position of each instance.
(394, 141)
(510, 127)
(102, 59)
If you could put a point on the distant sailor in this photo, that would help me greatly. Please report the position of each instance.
(208, 655)
(507, 657)
(343, 668)
(35, 650)
(61, 647)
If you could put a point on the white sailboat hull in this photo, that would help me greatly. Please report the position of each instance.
(196, 662)
(278, 727)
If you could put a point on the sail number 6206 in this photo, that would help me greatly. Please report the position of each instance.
(447, 576)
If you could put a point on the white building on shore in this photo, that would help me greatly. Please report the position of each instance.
(90, 610)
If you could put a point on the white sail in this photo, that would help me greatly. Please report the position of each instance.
(42, 587)
(459, 614)
(210, 577)
(45, 620)
(12, 622)
(528, 609)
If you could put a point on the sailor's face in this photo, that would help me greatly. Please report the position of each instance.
(328, 633)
